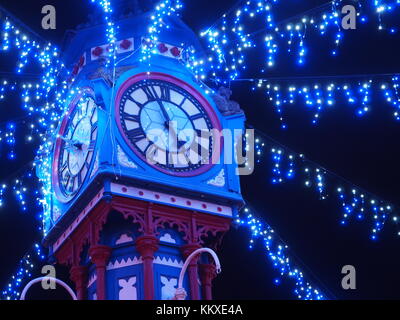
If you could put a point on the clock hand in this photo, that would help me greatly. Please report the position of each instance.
(73, 145)
(180, 143)
(164, 111)
(167, 122)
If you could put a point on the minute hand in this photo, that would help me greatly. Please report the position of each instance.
(164, 111)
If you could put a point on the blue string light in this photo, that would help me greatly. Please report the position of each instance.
(111, 29)
(277, 252)
(163, 10)
(12, 290)
(231, 37)
(357, 204)
(318, 98)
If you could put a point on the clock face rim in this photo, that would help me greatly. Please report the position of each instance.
(217, 149)
(85, 91)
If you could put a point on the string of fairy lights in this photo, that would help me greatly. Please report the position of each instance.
(44, 104)
(232, 37)
(277, 252)
(228, 41)
(162, 10)
(24, 272)
(326, 92)
(44, 101)
(357, 205)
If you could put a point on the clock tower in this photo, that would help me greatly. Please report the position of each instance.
(144, 169)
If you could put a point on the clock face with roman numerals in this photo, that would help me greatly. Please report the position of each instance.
(167, 123)
(75, 148)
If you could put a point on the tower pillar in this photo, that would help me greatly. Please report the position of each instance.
(207, 274)
(147, 245)
(79, 275)
(187, 250)
(99, 255)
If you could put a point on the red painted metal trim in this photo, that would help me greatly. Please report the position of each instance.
(151, 217)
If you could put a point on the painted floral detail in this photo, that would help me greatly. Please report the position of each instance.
(219, 180)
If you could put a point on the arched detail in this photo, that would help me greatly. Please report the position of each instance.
(65, 254)
(206, 231)
(181, 226)
(138, 215)
(117, 220)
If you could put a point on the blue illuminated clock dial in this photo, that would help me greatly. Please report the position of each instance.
(164, 120)
(75, 153)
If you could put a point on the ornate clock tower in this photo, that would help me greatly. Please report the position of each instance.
(138, 185)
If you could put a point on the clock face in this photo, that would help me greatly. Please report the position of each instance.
(75, 148)
(165, 123)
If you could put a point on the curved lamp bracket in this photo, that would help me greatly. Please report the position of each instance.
(57, 281)
(180, 293)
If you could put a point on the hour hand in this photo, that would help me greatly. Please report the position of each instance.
(72, 145)
(172, 130)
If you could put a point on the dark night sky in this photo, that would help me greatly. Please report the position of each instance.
(364, 151)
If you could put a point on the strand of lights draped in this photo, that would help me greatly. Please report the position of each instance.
(110, 26)
(43, 164)
(35, 96)
(5, 87)
(56, 85)
(276, 251)
(323, 95)
(44, 104)
(26, 266)
(29, 51)
(228, 40)
(164, 9)
(357, 204)
(239, 30)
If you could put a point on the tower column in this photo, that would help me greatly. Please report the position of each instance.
(207, 274)
(79, 275)
(187, 250)
(146, 245)
(99, 255)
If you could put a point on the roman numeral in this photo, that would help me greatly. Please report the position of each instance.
(63, 167)
(92, 145)
(66, 179)
(196, 116)
(79, 179)
(136, 134)
(92, 111)
(71, 184)
(94, 127)
(165, 94)
(134, 101)
(183, 101)
(150, 93)
(130, 117)
(199, 133)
